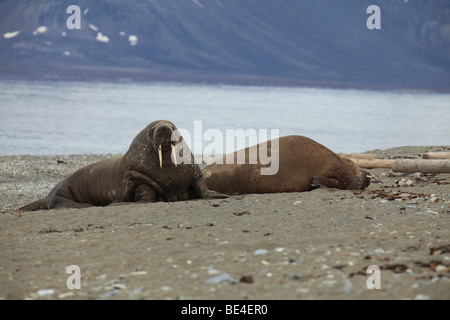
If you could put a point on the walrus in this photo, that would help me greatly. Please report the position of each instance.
(147, 172)
(303, 165)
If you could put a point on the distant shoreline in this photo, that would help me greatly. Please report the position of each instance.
(125, 75)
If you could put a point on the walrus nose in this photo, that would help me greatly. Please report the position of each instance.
(164, 135)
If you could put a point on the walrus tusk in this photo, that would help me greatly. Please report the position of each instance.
(174, 155)
(160, 156)
(369, 176)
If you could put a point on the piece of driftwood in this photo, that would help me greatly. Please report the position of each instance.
(421, 165)
(436, 155)
(366, 156)
(377, 163)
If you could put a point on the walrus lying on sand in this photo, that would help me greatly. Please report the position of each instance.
(303, 165)
(147, 172)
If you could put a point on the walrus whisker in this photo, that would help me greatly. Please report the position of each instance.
(160, 156)
(174, 155)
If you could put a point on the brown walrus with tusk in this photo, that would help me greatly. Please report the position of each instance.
(147, 172)
(303, 164)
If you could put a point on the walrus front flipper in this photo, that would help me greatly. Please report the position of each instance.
(35, 205)
(144, 193)
(323, 182)
(204, 193)
(142, 178)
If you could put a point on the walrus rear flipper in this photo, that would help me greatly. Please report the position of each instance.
(36, 205)
(210, 194)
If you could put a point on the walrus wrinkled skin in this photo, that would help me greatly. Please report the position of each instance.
(304, 165)
(147, 172)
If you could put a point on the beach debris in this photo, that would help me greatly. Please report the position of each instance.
(440, 250)
(403, 183)
(119, 286)
(246, 279)
(401, 196)
(396, 268)
(434, 265)
(427, 211)
(65, 295)
(241, 213)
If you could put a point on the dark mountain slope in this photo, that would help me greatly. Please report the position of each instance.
(312, 42)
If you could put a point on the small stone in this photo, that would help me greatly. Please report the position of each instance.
(218, 279)
(260, 251)
(213, 271)
(119, 286)
(441, 268)
(138, 273)
(45, 292)
(65, 295)
(165, 288)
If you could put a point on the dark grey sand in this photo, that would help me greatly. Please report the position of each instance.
(310, 245)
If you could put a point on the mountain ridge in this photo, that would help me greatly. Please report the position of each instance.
(285, 42)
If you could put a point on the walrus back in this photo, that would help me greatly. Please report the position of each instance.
(300, 159)
(100, 183)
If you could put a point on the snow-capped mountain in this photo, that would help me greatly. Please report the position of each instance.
(292, 42)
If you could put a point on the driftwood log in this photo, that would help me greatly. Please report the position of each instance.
(436, 155)
(365, 156)
(432, 162)
(420, 165)
(377, 163)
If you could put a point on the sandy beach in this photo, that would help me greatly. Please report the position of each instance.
(310, 245)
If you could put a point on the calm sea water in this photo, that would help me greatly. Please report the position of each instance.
(67, 117)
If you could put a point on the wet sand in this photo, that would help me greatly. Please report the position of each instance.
(310, 245)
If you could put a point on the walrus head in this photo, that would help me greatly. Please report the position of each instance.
(163, 133)
(364, 179)
(359, 179)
